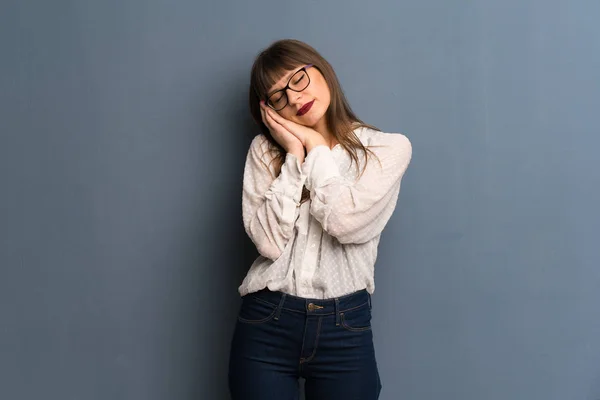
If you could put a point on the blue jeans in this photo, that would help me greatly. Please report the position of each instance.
(279, 338)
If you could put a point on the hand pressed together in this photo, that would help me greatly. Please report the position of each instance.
(290, 135)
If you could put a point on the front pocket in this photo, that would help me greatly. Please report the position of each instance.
(357, 320)
(254, 311)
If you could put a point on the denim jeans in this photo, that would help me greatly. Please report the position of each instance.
(279, 338)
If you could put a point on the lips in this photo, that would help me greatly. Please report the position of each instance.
(305, 108)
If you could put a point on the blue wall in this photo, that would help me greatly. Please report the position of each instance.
(124, 128)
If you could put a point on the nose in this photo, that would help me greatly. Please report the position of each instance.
(293, 97)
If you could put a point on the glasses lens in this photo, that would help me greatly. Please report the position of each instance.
(299, 81)
(277, 100)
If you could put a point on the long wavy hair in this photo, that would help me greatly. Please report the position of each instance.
(285, 55)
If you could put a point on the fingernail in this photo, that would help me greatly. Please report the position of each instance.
(262, 102)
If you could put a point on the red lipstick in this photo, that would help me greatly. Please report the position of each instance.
(305, 108)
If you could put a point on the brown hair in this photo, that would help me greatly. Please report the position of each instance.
(285, 55)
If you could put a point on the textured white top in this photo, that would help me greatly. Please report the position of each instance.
(327, 246)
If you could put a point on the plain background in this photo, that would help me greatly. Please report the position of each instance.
(124, 129)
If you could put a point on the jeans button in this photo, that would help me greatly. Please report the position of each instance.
(311, 307)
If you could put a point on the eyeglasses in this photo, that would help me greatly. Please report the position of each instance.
(298, 82)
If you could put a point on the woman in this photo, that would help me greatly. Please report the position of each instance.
(319, 186)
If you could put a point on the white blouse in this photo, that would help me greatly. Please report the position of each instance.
(327, 246)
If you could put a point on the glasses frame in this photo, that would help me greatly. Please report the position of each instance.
(284, 90)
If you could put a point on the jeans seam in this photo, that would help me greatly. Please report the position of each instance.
(264, 301)
(259, 321)
(278, 312)
(354, 308)
(348, 327)
(303, 337)
(304, 312)
(284, 308)
(316, 344)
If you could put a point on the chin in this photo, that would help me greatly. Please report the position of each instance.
(311, 119)
(310, 122)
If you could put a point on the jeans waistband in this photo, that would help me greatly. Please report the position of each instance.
(314, 306)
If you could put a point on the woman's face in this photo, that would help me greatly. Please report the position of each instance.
(309, 106)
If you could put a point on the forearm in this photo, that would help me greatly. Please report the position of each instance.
(270, 205)
(355, 211)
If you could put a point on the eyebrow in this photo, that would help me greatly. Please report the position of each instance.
(287, 79)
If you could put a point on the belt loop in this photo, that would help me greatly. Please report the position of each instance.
(369, 297)
(337, 312)
(280, 306)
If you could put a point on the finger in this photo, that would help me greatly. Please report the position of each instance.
(264, 116)
(272, 123)
(264, 107)
(286, 124)
(275, 117)
(265, 111)
(277, 127)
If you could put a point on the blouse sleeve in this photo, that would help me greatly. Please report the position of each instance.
(270, 206)
(357, 211)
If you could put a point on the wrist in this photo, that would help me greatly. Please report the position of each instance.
(298, 152)
(311, 144)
